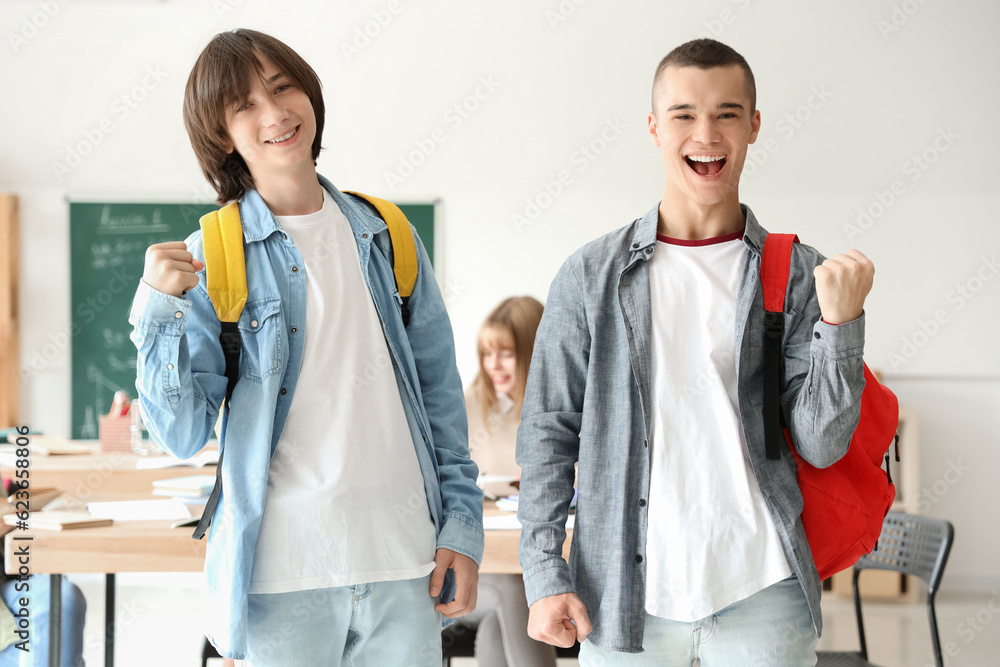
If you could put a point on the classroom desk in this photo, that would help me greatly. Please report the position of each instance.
(84, 476)
(153, 546)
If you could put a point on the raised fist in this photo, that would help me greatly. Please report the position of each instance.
(842, 283)
(170, 268)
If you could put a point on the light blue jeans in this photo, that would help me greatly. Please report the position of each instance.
(367, 625)
(74, 611)
(772, 627)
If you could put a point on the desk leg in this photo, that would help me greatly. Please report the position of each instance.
(109, 620)
(55, 619)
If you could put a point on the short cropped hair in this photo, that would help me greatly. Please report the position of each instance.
(222, 78)
(705, 54)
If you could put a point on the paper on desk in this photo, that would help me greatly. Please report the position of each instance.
(139, 510)
(510, 522)
(495, 479)
(206, 457)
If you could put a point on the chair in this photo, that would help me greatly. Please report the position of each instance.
(459, 641)
(910, 544)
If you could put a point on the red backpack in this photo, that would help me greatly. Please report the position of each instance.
(843, 505)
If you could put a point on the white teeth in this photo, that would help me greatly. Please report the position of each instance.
(706, 158)
(284, 138)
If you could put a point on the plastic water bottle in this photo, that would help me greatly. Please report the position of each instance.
(141, 443)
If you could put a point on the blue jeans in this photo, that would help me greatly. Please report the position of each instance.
(367, 625)
(772, 627)
(74, 610)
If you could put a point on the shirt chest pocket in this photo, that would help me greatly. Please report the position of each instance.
(261, 333)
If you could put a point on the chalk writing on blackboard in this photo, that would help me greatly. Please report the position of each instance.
(130, 223)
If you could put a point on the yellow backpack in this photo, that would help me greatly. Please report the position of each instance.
(226, 283)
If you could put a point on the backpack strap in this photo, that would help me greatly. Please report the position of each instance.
(226, 283)
(775, 266)
(404, 248)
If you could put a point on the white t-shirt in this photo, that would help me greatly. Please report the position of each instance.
(345, 496)
(710, 540)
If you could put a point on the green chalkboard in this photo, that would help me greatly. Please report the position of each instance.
(108, 242)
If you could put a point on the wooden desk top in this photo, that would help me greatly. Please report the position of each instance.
(84, 476)
(153, 546)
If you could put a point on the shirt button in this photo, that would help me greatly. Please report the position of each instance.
(816, 334)
(178, 314)
(295, 269)
(283, 391)
(253, 323)
(635, 245)
(284, 236)
(365, 235)
(649, 250)
(638, 558)
(170, 367)
(642, 502)
(295, 330)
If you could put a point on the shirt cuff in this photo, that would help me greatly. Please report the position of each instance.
(546, 579)
(840, 341)
(154, 311)
(463, 536)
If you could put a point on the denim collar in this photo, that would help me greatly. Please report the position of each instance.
(259, 222)
(644, 234)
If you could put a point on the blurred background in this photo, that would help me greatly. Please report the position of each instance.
(525, 122)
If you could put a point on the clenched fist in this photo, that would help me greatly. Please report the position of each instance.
(559, 620)
(842, 283)
(170, 268)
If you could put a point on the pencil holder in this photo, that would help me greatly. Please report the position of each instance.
(114, 432)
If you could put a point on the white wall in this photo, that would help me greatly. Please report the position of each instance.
(884, 81)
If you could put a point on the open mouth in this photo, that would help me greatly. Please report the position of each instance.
(285, 137)
(706, 165)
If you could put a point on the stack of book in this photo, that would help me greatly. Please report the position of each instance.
(192, 490)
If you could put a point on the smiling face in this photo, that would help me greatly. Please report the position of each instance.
(703, 124)
(499, 359)
(274, 127)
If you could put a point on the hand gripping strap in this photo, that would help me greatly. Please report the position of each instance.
(404, 249)
(225, 269)
(775, 265)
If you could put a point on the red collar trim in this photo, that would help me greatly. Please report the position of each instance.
(735, 236)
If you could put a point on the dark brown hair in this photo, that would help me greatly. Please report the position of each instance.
(705, 54)
(221, 78)
(512, 324)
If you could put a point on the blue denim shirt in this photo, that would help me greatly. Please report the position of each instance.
(181, 383)
(588, 398)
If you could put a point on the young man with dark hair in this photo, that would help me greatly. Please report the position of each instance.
(349, 504)
(688, 546)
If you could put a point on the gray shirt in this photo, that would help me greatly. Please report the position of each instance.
(588, 400)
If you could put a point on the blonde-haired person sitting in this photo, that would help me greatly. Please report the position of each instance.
(493, 402)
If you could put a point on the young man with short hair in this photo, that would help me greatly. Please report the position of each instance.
(688, 546)
(349, 504)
